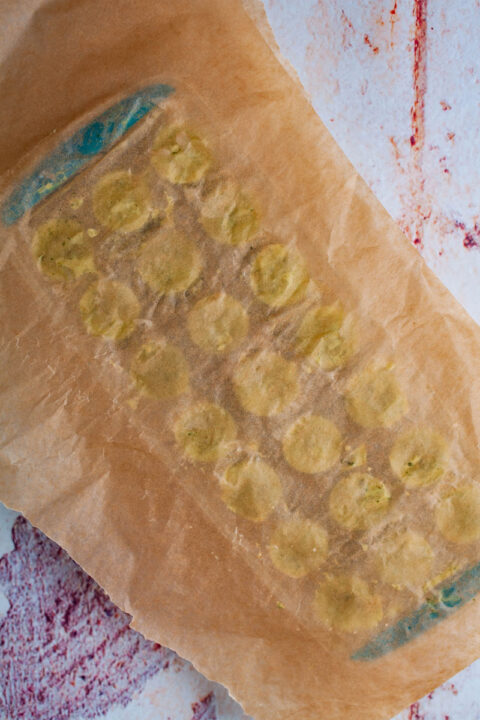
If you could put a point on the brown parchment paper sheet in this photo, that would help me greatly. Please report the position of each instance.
(102, 475)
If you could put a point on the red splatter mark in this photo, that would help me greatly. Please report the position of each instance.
(393, 20)
(373, 48)
(471, 239)
(346, 21)
(414, 712)
(445, 105)
(442, 162)
(450, 136)
(348, 30)
(395, 148)
(65, 650)
(397, 154)
(205, 709)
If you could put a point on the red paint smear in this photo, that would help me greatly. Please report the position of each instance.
(414, 712)
(66, 651)
(205, 709)
(373, 48)
(417, 111)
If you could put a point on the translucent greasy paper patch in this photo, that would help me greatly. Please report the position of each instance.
(63, 249)
(298, 547)
(251, 488)
(257, 384)
(217, 323)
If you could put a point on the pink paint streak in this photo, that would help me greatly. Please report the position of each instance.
(205, 709)
(65, 650)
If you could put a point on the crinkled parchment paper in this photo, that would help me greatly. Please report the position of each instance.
(229, 387)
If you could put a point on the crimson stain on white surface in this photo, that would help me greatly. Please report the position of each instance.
(414, 712)
(205, 709)
(66, 650)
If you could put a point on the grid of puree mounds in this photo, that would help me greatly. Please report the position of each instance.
(233, 362)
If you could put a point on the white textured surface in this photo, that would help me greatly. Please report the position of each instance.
(356, 60)
(176, 691)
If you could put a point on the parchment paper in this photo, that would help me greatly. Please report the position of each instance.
(96, 466)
